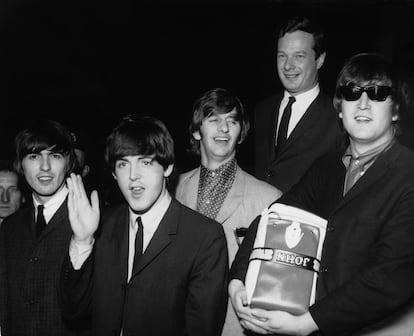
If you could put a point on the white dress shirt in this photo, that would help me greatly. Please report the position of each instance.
(52, 205)
(150, 220)
(299, 107)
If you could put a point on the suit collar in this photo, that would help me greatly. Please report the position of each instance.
(162, 237)
(59, 217)
(231, 202)
(385, 162)
(311, 117)
(233, 198)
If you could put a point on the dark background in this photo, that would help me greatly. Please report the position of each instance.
(88, 63)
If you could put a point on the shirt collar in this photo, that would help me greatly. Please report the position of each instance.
(367, 157)
(303, 97)
(53, 204)
(152, 218)
(219, 171)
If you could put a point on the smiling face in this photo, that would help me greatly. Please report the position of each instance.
(296, 63)
(142, 181)
(368, 123)
(10, 195)
(45, 172)
(218, 136)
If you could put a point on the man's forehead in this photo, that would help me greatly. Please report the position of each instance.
(8, 177)
(137, 157)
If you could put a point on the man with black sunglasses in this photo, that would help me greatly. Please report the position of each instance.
(298, 125)
(365, 282)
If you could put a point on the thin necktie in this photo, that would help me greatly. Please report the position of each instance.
(284, 123)
(40, 220)
(139, 238)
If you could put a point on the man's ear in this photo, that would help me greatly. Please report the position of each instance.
(168, 170)
(197, 135)
(340, 115)
(114, 176)
(320, 60)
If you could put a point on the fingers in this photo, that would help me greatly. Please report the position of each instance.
(95, 201)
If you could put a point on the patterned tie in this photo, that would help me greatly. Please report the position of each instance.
(139, 238)
(284, 123)
(40, 220)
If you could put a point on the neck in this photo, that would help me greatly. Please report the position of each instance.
(213, 164)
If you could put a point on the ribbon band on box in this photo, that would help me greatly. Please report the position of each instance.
(286, 258)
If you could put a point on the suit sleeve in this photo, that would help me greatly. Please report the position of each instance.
(207, 293)
(3, 282)
(383, 285)
(75, 291)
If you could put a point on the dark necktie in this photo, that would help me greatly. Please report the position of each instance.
(139, 238)
(40, 220)
(284, 123)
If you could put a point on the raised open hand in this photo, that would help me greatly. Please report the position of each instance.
(83, 214)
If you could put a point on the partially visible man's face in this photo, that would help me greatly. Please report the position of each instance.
(45, 172)
(141, 180)
(10, 195)
(218, 136)
(296, 64)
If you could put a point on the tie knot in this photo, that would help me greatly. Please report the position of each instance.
(291, 100)
(40, 208)
(139, 223)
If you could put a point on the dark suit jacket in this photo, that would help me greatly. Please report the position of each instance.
(367, 264)
(180, 287)
(31, 274)
(316, 134)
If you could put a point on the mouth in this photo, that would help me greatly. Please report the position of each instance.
(45, 179)
(362, 119)
(221, 139)
(291, 76)
(136, 190)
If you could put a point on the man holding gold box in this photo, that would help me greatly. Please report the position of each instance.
(367, 195)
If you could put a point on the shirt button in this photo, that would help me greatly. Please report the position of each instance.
(330, 228)
(323, 270)
(34, 259)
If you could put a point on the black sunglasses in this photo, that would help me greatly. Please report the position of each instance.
(375, 92)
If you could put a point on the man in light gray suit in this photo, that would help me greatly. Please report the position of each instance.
(219, 188)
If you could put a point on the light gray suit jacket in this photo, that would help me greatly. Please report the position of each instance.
(247, 198)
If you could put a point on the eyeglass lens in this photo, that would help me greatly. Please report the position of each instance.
(376, 92)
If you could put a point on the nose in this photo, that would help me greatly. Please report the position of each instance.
(5, 197)
(223, 126)
(288, 65)
(45, 163)
(134, 172)
(363, 102)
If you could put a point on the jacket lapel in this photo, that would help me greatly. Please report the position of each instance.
(190, 189)
(233, 198)
(273, 121)
(305, 123)
(120, 242)
(161, 238)
(61, 217)
(378, 169)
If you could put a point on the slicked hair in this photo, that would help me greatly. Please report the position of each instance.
(304, 24)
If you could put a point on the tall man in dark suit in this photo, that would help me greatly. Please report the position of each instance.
(34, 240)
(295, 127)
(156, 267)
(367, 195)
